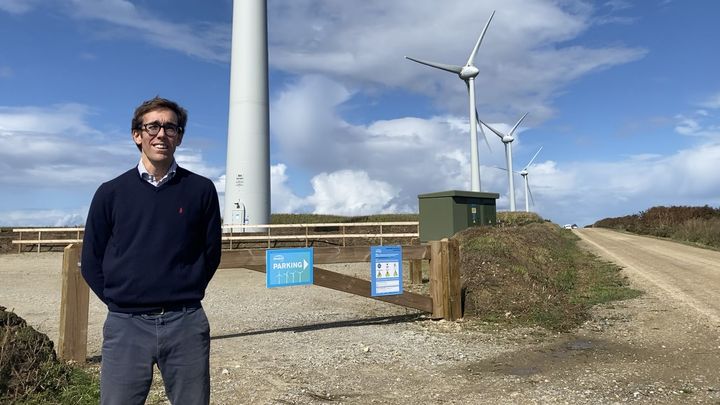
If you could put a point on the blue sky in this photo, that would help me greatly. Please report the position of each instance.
(623, 96)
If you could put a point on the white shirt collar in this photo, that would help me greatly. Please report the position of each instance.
(151, 179)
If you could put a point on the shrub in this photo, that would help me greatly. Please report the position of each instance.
(692, 224)
(30, 371)
(702, 231)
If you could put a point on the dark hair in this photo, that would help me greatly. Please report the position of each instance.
(158, 103)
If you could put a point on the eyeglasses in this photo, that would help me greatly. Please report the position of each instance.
(153, 128)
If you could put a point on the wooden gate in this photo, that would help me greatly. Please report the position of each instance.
(443, 302)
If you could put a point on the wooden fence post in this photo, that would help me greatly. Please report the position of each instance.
(445, 279)
(74, 307)
(415, 271)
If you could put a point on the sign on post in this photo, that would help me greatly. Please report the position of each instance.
(288, 267)
(386, 270)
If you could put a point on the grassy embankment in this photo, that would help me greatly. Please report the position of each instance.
(30, 372)
(525, 271)
(695, 225)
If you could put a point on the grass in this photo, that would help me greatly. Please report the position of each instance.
(534, 274)
(30, 372)
(83, 388)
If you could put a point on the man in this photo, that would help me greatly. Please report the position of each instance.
(152, 243)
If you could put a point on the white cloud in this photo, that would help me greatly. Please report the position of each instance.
(60, 118)
(584, 192)
(348, 192)
(56, 146)
(700, 124)
(44, 218)
(207, 41)
(284, 200)
(687, 126)
(17, 6)
(193, 160)
(389, 161)
(363, 42)
(344, 192)
(712, 102)
(616, 5)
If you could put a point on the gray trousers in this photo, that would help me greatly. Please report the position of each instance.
(177, 341)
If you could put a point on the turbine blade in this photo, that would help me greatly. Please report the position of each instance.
(471, 59)
(495, 131)
(502, 168)
(532, 200)
(516, 125)
(482, 131)
(533, 158)
(449, 68)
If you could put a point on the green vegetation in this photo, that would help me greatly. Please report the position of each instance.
(699, 225)
(533, 274)
(506, 218)
(30, 372)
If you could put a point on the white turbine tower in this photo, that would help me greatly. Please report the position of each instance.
(467, 73)
(524, 173)
(247, 175)
(507, 139)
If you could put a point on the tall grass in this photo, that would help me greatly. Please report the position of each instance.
(700, 225)
(702, 231)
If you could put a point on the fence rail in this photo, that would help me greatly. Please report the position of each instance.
(444, 301)
(237, 234)
(39, 241)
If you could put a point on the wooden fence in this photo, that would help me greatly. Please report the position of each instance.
(443, 302)
(42, 233)
(266, 235)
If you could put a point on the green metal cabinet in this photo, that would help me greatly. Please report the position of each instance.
(445, 213)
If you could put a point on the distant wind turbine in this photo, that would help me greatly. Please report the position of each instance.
(507, 139)
(524, 173)
(467, 73)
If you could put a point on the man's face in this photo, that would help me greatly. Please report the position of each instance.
(158, 149)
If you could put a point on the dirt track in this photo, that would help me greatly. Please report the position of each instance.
(308, 345)
(687, 274)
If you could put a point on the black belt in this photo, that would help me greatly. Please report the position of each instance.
(169, 308)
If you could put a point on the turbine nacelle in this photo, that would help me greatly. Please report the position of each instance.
(505, 137)
(468, 72)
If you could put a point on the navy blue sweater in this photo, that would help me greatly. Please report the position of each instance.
(147, 247)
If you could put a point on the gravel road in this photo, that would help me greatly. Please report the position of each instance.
(687, 274)
(309, 345)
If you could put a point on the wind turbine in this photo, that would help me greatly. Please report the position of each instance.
(524, 173)
(507, 139)
(467, 73)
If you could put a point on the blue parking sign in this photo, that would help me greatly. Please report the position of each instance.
(288, 267)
